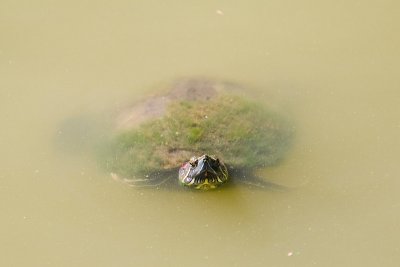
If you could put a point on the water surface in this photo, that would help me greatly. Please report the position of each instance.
(332, 67)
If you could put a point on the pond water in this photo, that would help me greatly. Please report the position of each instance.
(331, 66)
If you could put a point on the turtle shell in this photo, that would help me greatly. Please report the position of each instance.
(196, 117)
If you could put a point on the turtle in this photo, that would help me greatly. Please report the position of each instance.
(199, 133)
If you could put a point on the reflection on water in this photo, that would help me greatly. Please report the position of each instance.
(331, 67)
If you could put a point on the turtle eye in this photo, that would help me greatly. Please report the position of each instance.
(193, 161)
(215, 163)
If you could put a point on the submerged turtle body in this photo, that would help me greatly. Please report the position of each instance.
(196, 121)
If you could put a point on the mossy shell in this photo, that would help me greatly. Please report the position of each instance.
(195, 117)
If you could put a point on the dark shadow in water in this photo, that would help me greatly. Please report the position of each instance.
(168, 181)
(81, 133)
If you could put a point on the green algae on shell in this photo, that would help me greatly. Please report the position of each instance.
(241, 131)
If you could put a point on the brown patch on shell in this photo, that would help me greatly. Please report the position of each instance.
(184, 90)
(150, 109)
(193, 90)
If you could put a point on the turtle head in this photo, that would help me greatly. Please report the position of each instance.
(204, 172)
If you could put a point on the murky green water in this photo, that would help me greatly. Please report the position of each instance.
(332, 66)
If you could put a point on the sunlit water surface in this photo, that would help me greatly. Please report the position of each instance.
(331, 67)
